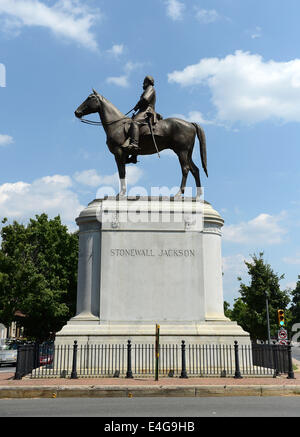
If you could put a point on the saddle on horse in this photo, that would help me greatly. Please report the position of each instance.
(135, 131)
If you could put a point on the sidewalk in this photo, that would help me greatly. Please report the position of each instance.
(142, 387)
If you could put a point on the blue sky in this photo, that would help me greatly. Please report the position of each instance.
(233, 66)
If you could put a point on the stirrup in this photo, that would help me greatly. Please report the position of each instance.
(134, 147)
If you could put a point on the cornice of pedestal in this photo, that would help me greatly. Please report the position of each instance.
(211, 217)
(93, 212)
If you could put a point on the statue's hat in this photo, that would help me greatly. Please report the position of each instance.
(150, 79)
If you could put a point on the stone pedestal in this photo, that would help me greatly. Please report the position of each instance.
(148, 261)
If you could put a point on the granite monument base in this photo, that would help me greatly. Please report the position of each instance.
(147, 261)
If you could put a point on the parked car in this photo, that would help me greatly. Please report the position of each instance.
(46, 359)
(46, 353)
(8, 354)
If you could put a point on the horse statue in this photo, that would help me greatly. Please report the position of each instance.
(170, 133)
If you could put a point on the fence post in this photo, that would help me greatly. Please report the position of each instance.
(36, 359)
(291, 374)
(20, 362)
(129, 369)
(183, 361)
(237, 374)
(74, 364)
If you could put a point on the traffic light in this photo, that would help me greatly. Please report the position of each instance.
(280, 317)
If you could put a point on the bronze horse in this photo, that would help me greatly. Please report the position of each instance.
(170, 133)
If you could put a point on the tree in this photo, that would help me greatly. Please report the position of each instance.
(38, 275)
(249, 309)
(227, 310)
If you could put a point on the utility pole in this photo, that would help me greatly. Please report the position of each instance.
(268, 318)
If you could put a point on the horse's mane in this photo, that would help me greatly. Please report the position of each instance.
(112, 107)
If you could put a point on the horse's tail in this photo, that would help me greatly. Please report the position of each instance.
(202, 141)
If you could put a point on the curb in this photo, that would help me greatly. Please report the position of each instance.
(146, 391)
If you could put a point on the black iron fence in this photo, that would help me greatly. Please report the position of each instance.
(272, 356)
(130, 360)
(27, 359)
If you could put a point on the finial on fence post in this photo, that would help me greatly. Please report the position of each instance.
(74, 364)
(129, 369)
(183, 361)
(237, 374)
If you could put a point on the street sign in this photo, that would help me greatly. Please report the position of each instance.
(282, 334)
(283, 342)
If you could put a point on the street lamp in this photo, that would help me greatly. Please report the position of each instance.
(268, 318)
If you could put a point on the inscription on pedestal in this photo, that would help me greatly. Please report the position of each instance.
(153, 252)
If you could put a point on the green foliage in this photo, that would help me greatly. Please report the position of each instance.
(38, 275)
(249, 309)
(295, 305)
(227, 310)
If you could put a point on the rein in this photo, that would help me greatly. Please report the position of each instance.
(99, 123)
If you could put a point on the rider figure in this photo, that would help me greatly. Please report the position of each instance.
(146, 108)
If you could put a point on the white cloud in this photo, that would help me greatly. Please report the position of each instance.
(132, 66)
(207, 16)
(123, 80)
(194, 117)
(116, 50)
(245, 88)
(66, 18)
(93, 179)
(50, 194)
(5, 140)
(175, 9)
(264, 229)
(88, 177)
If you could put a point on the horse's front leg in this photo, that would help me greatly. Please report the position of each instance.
(120, 158)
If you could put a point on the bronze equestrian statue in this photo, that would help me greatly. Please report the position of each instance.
(146, 134)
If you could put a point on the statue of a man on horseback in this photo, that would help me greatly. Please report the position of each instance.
(146, 133)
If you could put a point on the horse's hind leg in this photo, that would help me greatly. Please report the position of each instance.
(196, 174)
(185, 168)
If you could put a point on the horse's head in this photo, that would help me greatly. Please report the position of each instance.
(89, 106)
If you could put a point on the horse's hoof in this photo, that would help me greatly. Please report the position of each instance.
(178, 195)
(121, 196)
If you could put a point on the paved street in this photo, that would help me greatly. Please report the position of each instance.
(296, 352)
(153, 407)
(7, 369)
